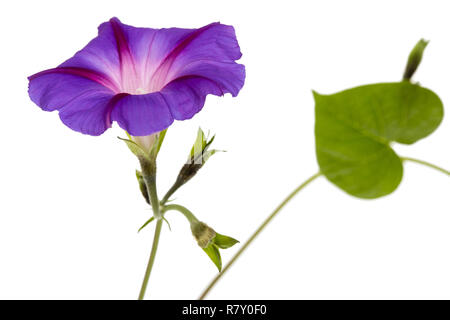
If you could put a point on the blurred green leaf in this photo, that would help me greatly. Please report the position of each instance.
(354, 130)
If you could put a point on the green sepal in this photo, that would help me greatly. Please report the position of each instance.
(199, 152)
(209, 153)
(219, 242)
(414, 59)
(224, 242)
(213, 253)
(157, 146)
(199, 144)
(138, 151)
(150, 220)
(167, 221)
(135, 148)
(146, 223)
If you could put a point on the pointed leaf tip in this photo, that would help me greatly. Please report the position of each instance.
(146, 223)
(213, 253)
(224, 242)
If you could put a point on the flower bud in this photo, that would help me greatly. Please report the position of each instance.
(211, 241)
(202, 233)
(198, 156)
(414, 59)
(142, 186)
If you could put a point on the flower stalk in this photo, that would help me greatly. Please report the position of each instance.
(281, 206)
(148, 167)
(198, 156)
(151, 259)
(427, 164)
(257, 232)
(207, 238)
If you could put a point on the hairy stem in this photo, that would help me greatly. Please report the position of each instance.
(430, 165)
(257, 232)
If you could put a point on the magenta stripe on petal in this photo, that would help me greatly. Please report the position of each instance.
(122, 43)
(161, 73)
(85, 73)
(130, 81)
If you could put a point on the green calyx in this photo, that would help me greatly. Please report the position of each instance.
(207, 238)
(140, 151)
(211, 241)
(202, 233)
(218, 242)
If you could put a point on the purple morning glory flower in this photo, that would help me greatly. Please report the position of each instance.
(142, 78)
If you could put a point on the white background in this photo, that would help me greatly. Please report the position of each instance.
(70, 207)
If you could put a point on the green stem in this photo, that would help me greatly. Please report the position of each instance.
(150, 182)
(188, 214)
(257, 232)
(433, 166)
(151, 259)
(149, 176)
(169, 194)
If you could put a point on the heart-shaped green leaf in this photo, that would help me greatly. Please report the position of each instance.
(354, 129)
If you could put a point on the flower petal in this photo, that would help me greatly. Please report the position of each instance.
(213, 44)
(90, 113)
(229, 76)
(186, 96)
(141, 115)
(77, 93)
(51, 89)
(101, 55)
(163, 55)
(149, 47)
